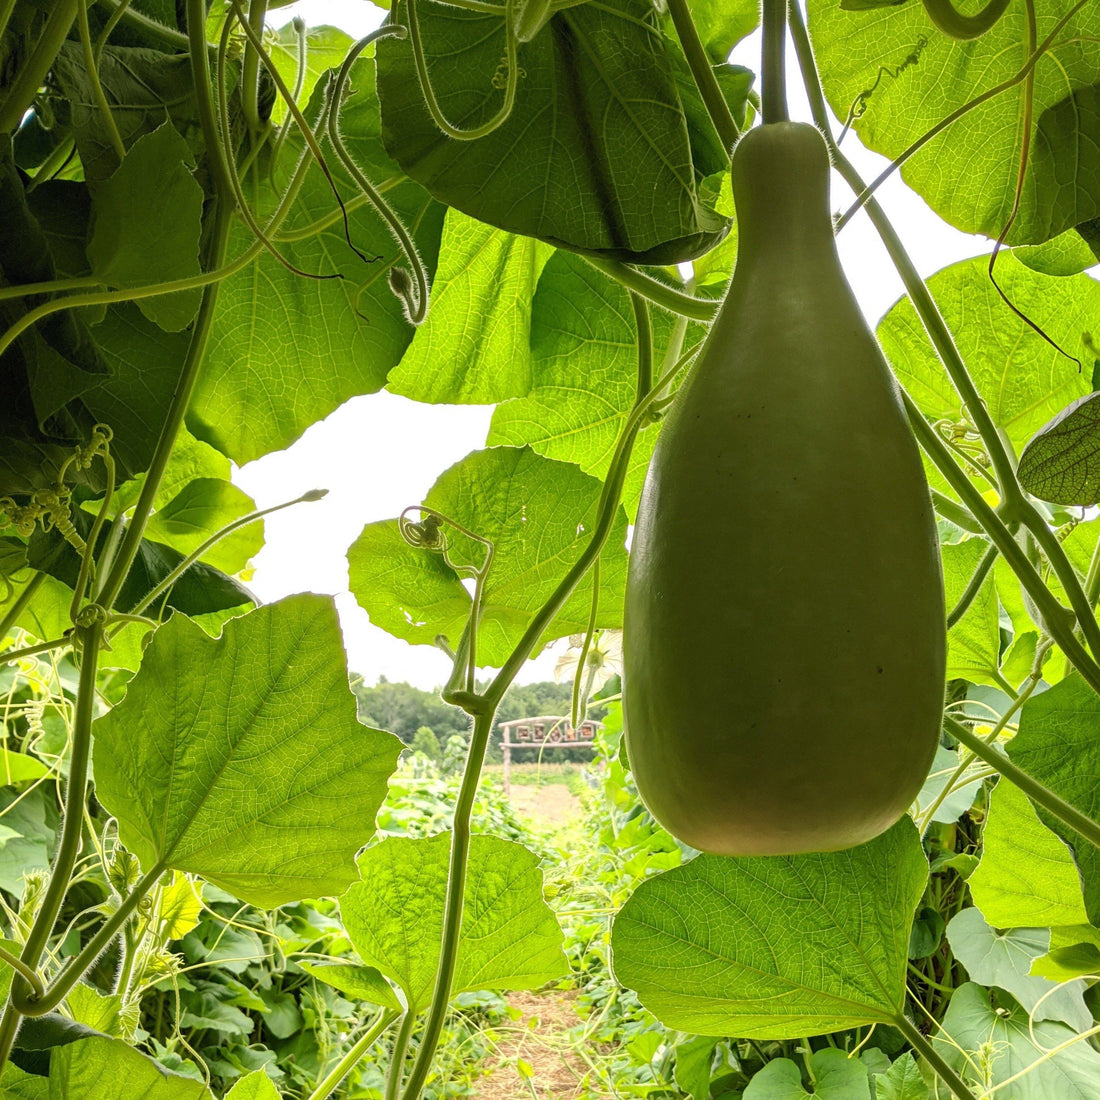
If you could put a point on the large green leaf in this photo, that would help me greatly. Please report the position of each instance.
(148, 221)
(363, 983)
(584, 361)
(836, 1076)
(1022, 378)
(722, 24)
(15, 1084)
(1027, 877)
(98, 1068)
(285, 349)
(326, 48)
(474, 347)
(773, 948)
(394, 916)
(241, 758)
(1003, 958)
(1059, 744)
(1001, 1033)
(538, 513)
(596, 154)
(901, 76)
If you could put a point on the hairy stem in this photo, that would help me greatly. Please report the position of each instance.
(772, 69)
(703, 73)
(660, 294)
(331, 1081)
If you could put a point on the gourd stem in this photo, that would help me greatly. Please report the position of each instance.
(955, 513)
(973, 586)
(703, 72)
(332, 1079)
(963, 27)
(90, 638)
(34, 650)
(1036, 791)
(250, 70)
(773, 76)
(660, 294)
(932, 1056)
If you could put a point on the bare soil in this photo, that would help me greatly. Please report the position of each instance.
(539, 1037)
(549, 806)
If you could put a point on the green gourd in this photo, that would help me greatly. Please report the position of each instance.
(784, 637)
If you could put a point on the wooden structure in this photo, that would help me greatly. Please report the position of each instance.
(542, 733)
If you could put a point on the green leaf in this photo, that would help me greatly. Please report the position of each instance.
(286, 350)
(251, 768)
(99, 1011)
(15, 1084)
(694, 1057)
(1062, 462)
(1004, 958)
(473, 348)
(775, 948)
(394, 916)
(584, 360)
(18, 767)
(1001, 1034)
(142, 87)
(200, 589)
(902, 1081)
(180, 907)
(959, 800)
(973, 643)
(1023, 380)
(148, 220)
(98, 1068)
(539, 514)
(902, 76)
(836, 1077)
(326, 49)
(595, 156)
(361, 983)
(1074, 952)
(1058, 744)
(197, 511)
(722, 24)
(255, 1086)
(1027, 877)
(1066, 254)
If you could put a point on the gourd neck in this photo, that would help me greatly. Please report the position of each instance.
(781, 192)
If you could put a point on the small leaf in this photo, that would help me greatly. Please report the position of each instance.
(251, 768)
(1026, 877)
(361, 983)
(255, 1086)
(902, 1081)
(1001, 1033)
(1061, 464)
(775, 948)
(148, 220)
(394, 916)
(836, 1077)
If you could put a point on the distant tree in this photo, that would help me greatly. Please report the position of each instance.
(425, 741)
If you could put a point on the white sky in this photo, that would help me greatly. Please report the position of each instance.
(380, 453)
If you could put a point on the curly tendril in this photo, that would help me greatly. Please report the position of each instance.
(511, 43)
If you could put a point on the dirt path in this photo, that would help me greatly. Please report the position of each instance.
(551, 805)
(557, 1071)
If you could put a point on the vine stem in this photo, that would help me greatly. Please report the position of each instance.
(75, 968)
(11, 616)
(932, 1056)
(332, 1079)
(773, 75)
(484, 707)
(1036, 791)
(23, 89)
(973, 586)
(90, 638)
(703, 72)
(200, 333)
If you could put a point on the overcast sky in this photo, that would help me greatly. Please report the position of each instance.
(380, 453)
